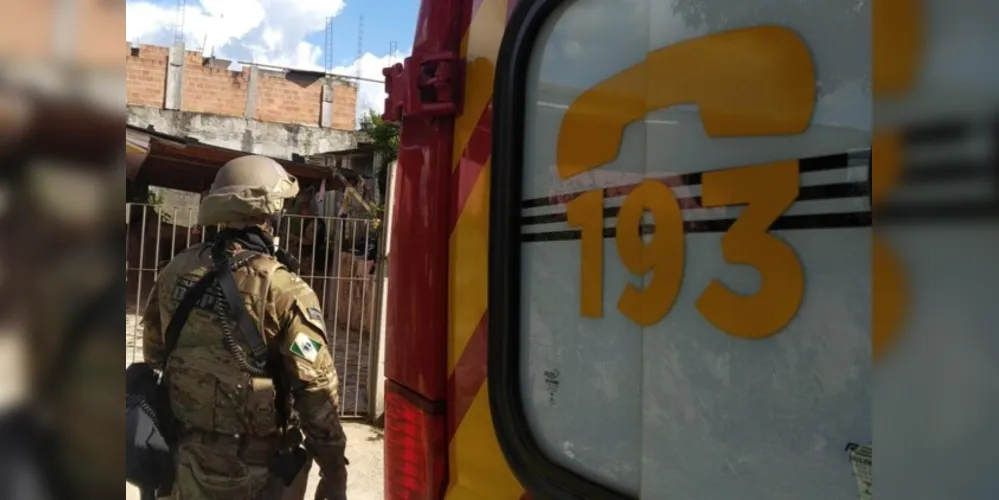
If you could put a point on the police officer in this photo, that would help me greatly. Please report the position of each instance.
(229, 425)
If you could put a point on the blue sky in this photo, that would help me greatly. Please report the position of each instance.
(384, 21)
(289, 33)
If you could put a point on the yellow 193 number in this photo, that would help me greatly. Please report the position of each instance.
(766, 190)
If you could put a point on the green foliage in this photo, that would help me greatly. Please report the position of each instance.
(385, 137)
(155, 200)
(383, 134)
(378, 210)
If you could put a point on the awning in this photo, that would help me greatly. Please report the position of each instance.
(136, 150)
(185, 164)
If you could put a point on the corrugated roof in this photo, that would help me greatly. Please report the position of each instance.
(188, 165)
(364, 148)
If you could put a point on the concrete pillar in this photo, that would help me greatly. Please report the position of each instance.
(378, 171)
(175, 77)
(251, 93)
(376, 350)
(326, 116)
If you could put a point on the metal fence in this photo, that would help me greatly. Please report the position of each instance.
(337, 257)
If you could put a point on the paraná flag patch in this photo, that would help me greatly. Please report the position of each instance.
(305, 348)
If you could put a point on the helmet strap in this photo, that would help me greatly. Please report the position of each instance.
(274, 221)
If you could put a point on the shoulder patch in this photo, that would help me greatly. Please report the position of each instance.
(315, 314)
(305, 348)
(311, 316)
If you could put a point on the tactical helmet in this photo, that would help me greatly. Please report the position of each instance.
(245, 187)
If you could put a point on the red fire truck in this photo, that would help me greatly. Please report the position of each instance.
(632, 251)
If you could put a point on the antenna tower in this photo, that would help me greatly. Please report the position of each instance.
(393, 47)
(328, 46)
(360, 45)
(178, 23)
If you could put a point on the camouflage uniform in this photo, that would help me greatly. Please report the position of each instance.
(228, 419)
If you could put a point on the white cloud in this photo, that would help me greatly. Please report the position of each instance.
(217, 22)
(370, 95)
(263, 31)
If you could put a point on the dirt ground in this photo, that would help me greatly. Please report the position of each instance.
(366, 471)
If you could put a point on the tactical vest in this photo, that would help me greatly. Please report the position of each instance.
(209, 390)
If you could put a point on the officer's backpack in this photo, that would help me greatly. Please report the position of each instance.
(148, 457)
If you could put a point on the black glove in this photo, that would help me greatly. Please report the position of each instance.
(332, 489)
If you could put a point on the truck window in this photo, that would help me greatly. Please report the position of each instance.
(680, 301)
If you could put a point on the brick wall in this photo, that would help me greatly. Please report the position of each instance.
(292, 97)
(216, 91)
(145, 76)
(345, 105)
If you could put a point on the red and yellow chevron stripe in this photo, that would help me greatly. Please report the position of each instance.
(477, 467)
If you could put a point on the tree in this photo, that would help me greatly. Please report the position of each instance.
(385, 138)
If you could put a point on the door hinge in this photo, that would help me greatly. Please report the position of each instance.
(422, 85)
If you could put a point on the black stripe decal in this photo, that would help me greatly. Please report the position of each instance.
(943, 131)
(787, 222)
(805, 165)
(930, 213)
(936, 133)
(809, 193)
(946, 171)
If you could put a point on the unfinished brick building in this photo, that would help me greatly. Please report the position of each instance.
(208, 86)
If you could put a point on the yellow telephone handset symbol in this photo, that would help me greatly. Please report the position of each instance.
(748, 82)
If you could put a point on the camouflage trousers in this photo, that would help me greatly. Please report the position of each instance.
(205, 472)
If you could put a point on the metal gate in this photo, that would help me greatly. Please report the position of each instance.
(337, 257)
